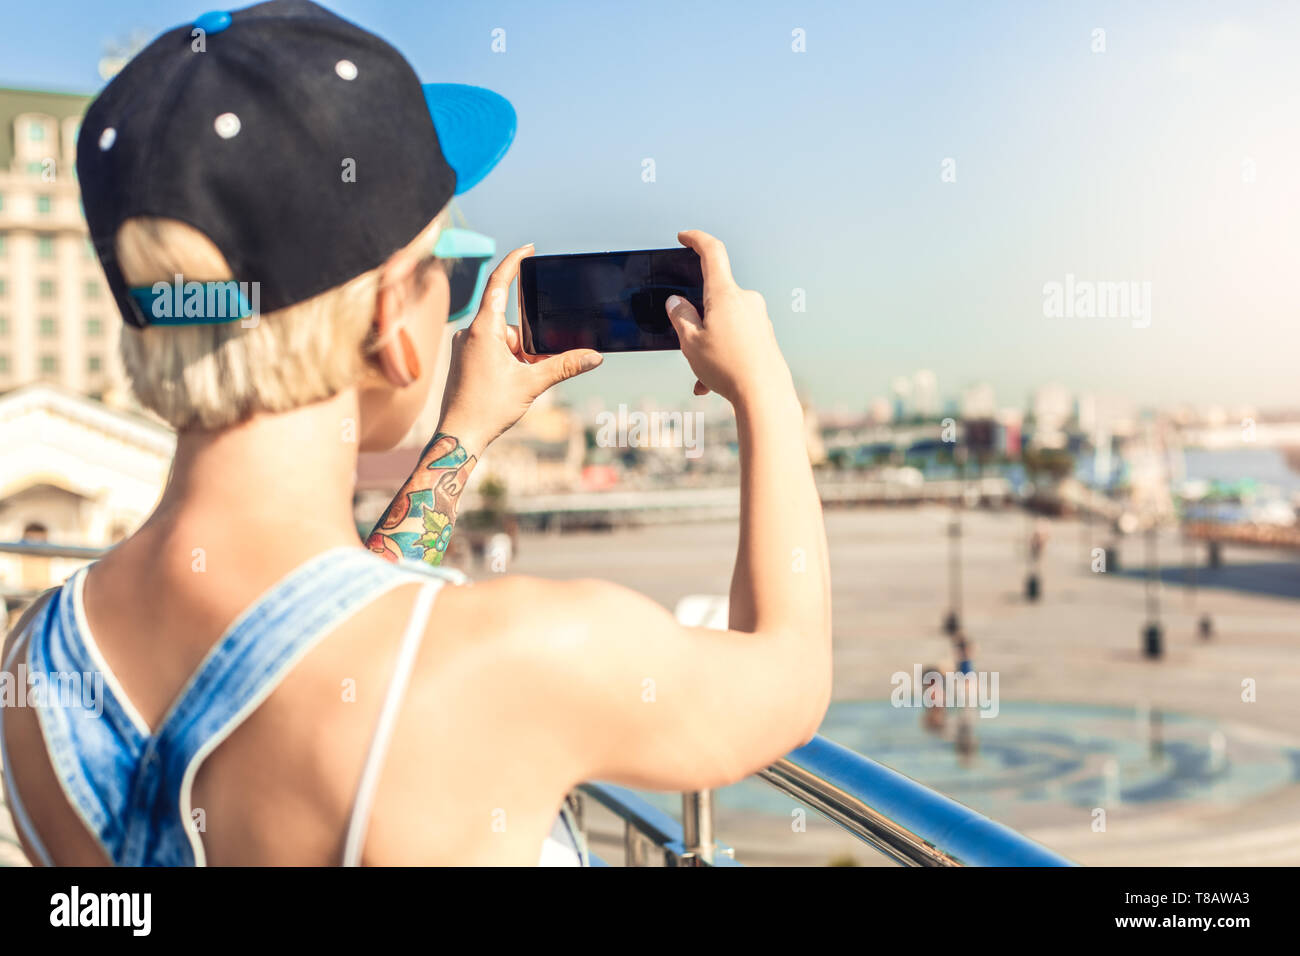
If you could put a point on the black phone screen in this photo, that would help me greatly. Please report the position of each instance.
(608, 301)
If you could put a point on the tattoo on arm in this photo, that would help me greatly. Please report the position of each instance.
(419, 521)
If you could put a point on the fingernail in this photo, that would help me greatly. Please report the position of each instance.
(590, 361)
(673, 302)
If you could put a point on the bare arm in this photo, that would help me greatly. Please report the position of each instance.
(420, 519)
(587, 680)
(781, 581)
(491, 383)
(605, 681)
(782, 574)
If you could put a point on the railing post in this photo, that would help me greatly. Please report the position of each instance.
(636, 846)
(710, 611)
(697, 824)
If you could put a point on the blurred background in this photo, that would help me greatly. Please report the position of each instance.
(1033, 270)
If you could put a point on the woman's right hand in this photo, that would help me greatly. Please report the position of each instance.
(732, 348)
(572, 655)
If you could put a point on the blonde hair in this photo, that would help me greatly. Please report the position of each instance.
(212, 376)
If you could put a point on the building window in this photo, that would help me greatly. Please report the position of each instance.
(44, 204)
(4, 364)
(4, 326)
(4, 244)
(45, 288)
(94, 364)
(45, 247)
(36, 132)
(88, 250)
(49, 364)
(4, 289)
(49, 328)
(92, 290)
(94, 328)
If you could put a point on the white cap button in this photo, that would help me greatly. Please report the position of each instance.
(227, 125)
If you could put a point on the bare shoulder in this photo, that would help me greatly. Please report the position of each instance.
(495, 715)
(525, 644)
(510, 608)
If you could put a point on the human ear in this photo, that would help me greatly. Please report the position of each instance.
(393, 349)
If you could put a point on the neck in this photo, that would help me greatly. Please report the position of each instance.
(276, 477)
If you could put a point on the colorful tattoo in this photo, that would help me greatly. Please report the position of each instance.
(418, 524)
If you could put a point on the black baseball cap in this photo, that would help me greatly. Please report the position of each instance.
(303, 146)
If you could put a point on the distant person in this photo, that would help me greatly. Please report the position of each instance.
(510, 524)
(319, 701)
(965, 742)
(500, 550)
(1038, 540)
(961, 646)
(934, 713)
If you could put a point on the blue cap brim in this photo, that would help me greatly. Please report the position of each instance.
(475, 128)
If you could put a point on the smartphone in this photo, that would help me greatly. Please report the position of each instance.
(608, 301)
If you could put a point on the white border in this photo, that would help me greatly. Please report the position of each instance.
(97, 656)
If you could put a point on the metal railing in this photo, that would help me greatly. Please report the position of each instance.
(16, 597)
(43, 549)
(908, 822)
(650, 836)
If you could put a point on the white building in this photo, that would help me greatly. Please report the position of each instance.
(74, 472)
(880, 412)
(58, 322)
(1053, 409)
(978, 401)
(925, 393)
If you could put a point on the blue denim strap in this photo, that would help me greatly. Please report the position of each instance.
(131, 787)
(92, 751)
(240, 672)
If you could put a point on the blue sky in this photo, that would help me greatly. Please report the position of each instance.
(1173, 157)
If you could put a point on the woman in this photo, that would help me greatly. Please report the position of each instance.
(273, 691)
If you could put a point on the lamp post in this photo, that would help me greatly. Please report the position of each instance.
(952, 620)
(1152, 635)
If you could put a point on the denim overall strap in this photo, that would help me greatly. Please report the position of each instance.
(92, 734)
(239, 673)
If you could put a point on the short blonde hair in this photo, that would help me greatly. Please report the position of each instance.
(213, 376)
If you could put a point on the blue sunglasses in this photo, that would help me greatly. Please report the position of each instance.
(466, 255)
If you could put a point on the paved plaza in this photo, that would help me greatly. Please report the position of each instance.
(1185, 770)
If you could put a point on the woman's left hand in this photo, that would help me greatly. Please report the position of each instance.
(492, 381)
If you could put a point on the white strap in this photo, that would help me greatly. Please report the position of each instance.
(415, 629)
